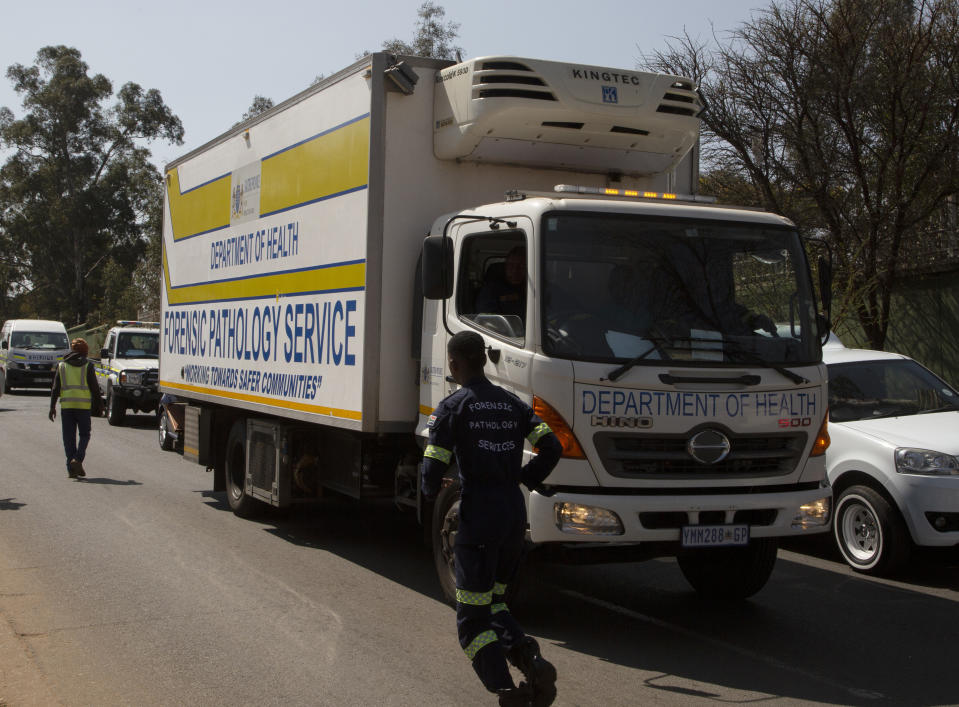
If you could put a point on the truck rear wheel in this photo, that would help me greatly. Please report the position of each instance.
(730, 572)
(241, 504)
(116, 410)
(166, 439)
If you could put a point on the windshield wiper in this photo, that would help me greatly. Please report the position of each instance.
(619, 372)
(751, 357)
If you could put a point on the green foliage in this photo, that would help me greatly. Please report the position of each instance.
(842, 115)
(432, 36)
(79, 198)
(260, 104)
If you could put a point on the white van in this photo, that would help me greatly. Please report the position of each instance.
(29, 352)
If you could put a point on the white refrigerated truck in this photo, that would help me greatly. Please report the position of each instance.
(673, 345)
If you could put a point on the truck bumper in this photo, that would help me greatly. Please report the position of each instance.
(143, 399)
(649, 518)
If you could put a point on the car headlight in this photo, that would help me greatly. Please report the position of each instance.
(926, 462)
(131, 377)
(16, 365)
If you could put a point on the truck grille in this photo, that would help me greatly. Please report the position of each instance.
(150, 377)
(665, 457)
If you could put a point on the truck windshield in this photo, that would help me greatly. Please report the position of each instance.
(620, 287)
(39, 340)
(131, 345)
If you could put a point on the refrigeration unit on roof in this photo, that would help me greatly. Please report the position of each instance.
(509, 110)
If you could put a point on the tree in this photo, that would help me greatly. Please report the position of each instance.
(260, 104)
(79, 188)
(432, 36)
(842, 114)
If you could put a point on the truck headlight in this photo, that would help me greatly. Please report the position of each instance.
(812, 515)
(131, 377)
(926, 462)
(587, 520)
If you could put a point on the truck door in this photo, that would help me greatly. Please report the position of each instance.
(494, 297)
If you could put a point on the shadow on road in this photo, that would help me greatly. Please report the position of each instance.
(813, 634)
(8, 504)
(108, 482)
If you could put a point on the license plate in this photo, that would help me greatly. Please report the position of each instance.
(714, 535)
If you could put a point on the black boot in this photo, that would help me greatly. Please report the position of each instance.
(515, 696)
(538, 671)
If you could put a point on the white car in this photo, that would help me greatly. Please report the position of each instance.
(893, 459)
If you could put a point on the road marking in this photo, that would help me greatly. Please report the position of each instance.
(725, 645)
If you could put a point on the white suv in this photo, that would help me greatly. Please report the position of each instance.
(893, 459)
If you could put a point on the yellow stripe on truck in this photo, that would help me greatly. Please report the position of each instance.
(329, 164)
(320, 167)
(350, 276)
(263, 400)
(201, 209)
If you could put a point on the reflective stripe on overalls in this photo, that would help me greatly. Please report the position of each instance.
(484, 638)
(74, 393)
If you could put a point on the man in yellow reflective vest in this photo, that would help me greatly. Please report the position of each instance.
(76, 386)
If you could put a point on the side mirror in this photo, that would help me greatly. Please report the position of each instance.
(825, 283)
(4, 345)
(437, 267)
(104, 353)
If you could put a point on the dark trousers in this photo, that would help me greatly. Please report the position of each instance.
(486, 628)
(72, 422)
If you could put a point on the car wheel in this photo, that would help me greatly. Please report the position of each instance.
(116, 410)
(870, 533)
(729, 572)
(166, 439)
(241, 504)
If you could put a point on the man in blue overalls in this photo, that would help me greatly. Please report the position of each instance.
(485, 426)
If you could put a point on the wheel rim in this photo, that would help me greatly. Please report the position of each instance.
(235, 472)
(861, 533)
(451, 524)
(163, 431)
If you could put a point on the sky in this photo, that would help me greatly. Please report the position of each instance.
(209, 59)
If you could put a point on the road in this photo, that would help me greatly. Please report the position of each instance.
(139, 586)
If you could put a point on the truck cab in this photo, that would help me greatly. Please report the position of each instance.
(674, 348)
(127, 369)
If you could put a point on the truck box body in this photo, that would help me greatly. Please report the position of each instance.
(290, 242)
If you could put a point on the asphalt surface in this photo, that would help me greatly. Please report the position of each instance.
(138, 586)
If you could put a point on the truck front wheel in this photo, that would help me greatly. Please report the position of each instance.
(116, 410)
(729, 572)
(241, 504)
(446, 522)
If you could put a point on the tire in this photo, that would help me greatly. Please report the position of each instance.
(870, 533)
(116, 410)
(241, 504)
(730, 572)
(165, 438)
(445, 524)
